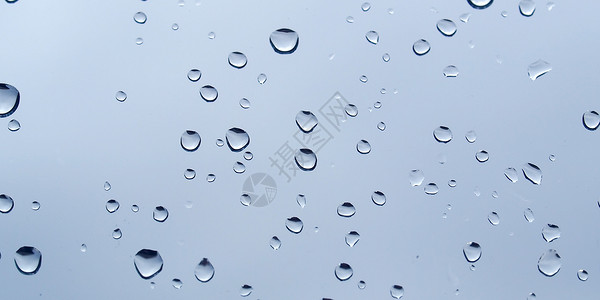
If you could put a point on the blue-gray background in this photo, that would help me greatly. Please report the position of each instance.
(69, 58)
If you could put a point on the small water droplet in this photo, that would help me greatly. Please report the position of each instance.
(511, 174)
(531, 296)
(378, 198)
(275, 243)
(482, 156)
(306, 159)
(28, 260)
(421, 47)
(352, 238)
(431, 188)
(239, 167)
(465, 17)
(526, 7)
(121, 96)
(306, 121)
(245, 103)
(237, 139)
(480, 4)
(148, 263)
(550, 5)
(140, 17)
(175, 26)
(219, 143)
(190, 140)
(248, 155)
(377, 105)
(212, 35)
(204, 271)
(528, 214)
(139, 41)
(472, 251)
(237, 60)
(372, 37)
(549, 263)
(14, 125)
(362, 285)
(390, 11)
(381, 126)
(209, 93)
(284, 41)
(552, 157)
(450, 71)
(35, 205)
(350, 19)
(351, 110)
(494, 218)
(294, 225)
(365, 6)
(160, 214)
(504, 14)
(591, 120)
(452, 183)
(446, 27)
(245, 290)
(538, 68)
(135, 208)
(107, 186)
(177, 283)
(416, 177)
(117, 234)
(346, 210)
(189, 174)
(343, 272)
(363, 147)
(471, 136)
(582, 275)
(442, 134)
(111, 205)
(262, 78)
(194, 75)
(301, 200)
(532, 173)
(363, 79)
(245, 199)
(211, 177)
(397, 291)
(550, 232)
(83, 248)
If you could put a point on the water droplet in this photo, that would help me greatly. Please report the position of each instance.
(431, 189)
(190, 140)
(148, 263)
(446, 27)
(175, 26)
(421, 47)
(237, 60)
(194, 75)
(111, 205)
(245, 199)
(494, 218)
(532, 173)
(531, 296)
(377, 105)
(452, 183)
(397, 291)
(550, 232)
(550, 5)
(472, 251)
(209, 93)
(284, 41)
(248, 155)
(204, 271)
(480, 4)
(365, 6)
(139, 41)
(465, 17)
(372, 37)
(352, 238)
(219, 143)
(301, 200)
(526, 7)
(189, 174)
(504, 14)
(237, 139)
(9, 100)
(117, 234)
(385, 57)
(160, 214)
(538, 68)
(294, 224)
(450, 71)
(363, 147)
(140, 17)
(552, 157)
(177, 283)
(549, 263)
(471, 136)
(211, 35)
(239, 167)
(107, 186)
(482, 156)
(14, 125)
(152, 285)
(306, 121)
(351, 110)
(378, 198)
(35, 205)
(591, 120)
(83, 248)
(211, 177)
(343, 272)
(305, 159)
(511, 174)
(362, 285)
(346, 209)
(275, 243)
(245, 290)
(582, 275)
(528, 214)
(245, 103)
(390, 11)
(416, 177)
(28, 260)
(381, 126)
(442, 134)
(135, 208)
(262, 78)
(363, 79)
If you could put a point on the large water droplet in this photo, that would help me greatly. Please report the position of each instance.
(538, 68)
(194, 75)
(431, 189)
(591, 120)
(363, 147)
(237, 60)
(493, 218)
(446, 27)
(305, 159)
(372, 37)
(209, 93)
(160, 214)
(529, 216)
(346, 209)
(112, 205)
(532, 173)
(549, 263)
(148, 263)
(245, 290)
(204, 271)
(378, 198)
(550, 232)
(237, 139)
(472, 251)
(306, 121)
(416, 177)
(482, 156)
(582, 275)
(480, 4)
(343, 272)
(275, 243)
(450, 71)
(352, 238)
(442, 134)
(301, 200)
(9, 99)
(294, 224)
(28, 260)
(397, 291)
(421, 47)
(190, 140)
(140, 17)
(6, 204)
(284, 41)
(511, 174)
(526, 7)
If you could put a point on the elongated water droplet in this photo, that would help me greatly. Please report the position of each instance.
(526, 7)
(363, 147)
(532, 173)
(107, 186)
(450, 71)
(343, 272)
(301, 200)
(275, 243)
(209, 93)
(194, 75)
(397, 291)
(528, 214)
(245, 290)
(372, 37)
(549, 263)
(442, 134)
(465, 17)
(177, 283)
(237, 139)
(160, 214)
(190, 140)
(306, 121)
(346, 210)
(471, 136)
(591, 120)
(582, 275)
(446, 27)
(148, 263)
(351, 110)
(306, 159)
(294, 225)
(28, 260)
(416, 177)
(378, 198)
(480, 4)
(112, 205)
(431, 189)
(511, 174)
(117, 234)
(189, 174)
(245, 103)
(550, 232)
(237, 60)
(284, 41)
(204, 271)
(6, 204)
(239, 167)
(482, 156)
(140, 17)
(472, 251)
(538, 68)
(352, 238)
(493, 218)
(421, 47)
(9, 100)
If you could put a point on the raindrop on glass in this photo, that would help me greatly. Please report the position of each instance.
(107, 186)
(35, 205)
(219, 143)
(117, 234)
(237, 60)
(385, 57)
(582, 275)
(381, 126)
(301, 200)
(139, 41)
(294, 224)
(343, 272)
(245, 199)
(204, 271)
(189, 174)
(532, 173)
(531, 296)
(83, 248)
(482, 156)
(365, 6)
(591, 120)
(306, 121)
(480, 4)
(452, 183)
(362, 285)
(528, 214)
(397, 291)
(450, 71)
(526, 7)
(346, 209)
(237, 139)
(190, 140)
(549, 263)
(111, 205)
(275, 243)
(121, 96)
(511, 174)
(351, 110)
(248, 155)
(363, 79)
(245, 103)
(352, 238)
(160, 214)
(9, 100)
(421, 47)
(175, 26)
(211, 35)
(471, 136)
(494, 218)
(472, 251)
(431, 189)
(538, 68)
(416, 177)
(245, 290)
(446, 27)
(550, 232)
(140, 17)
(262, 78)
(378, 198)
(148, 263)
(363, 147)
(211, 177)
(372, 37)
(305, 159)
(350, 19)
(239, 167)
(209, 93)
(194, 75)
(284, 41)
(135, 208)
(465, 17)
(14, 125)
(28, 260)
(177, 283)
(442, 134)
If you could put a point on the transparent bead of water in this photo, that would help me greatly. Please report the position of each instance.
(493, 218)
(117, 234)
(305, 159)
(9, 99)
(346, 210)
(531, 296)
(135, 208)
(385, 57)
(306, 121)
(237, 139)
(239, 167)
(363, 79)
(472, 251)
(245, 103)
(35, 205)
(219, 143)
(582, 275)
(121, 96)
(591, 120)
(471, 136)
(465, 17)
(482, 156)
(211, 177)
(175, 26)
(160, 214)
(28, 260)
(511, 174)
(248, 155)
(237, 60)
(452, 183)
(549, 263)
(343, 271)
(442, 134)
(538, 68)
(377, 105)
(204, 271)
(140, 17)
(526, 7)
(262, 78)
(372, 37)
(351, 110)
(301, 200)
(532, 173)
(83, 248)
(148, 263)
(275, 243)
(480, 4)
(194, 75)
(6, 203)
(397, 291)
(189, 174)
(416, 177)
(431, 188)
(246, 290)
(352, 238)
(139, 41)
(378, 198)
(552, 157)
(177, 283)
(211, 35)
(365, 6)
(350, 19)
(421, 47)
(209, 93)
(107, 186)
(284, 41)
(550, 232)
(381, 126)
(294, 225)
(111, 205)
(363, 147)
(190, 140)
(529, 216)
(362, 284)
(450, 71)
(446, 27)
(245, 199)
